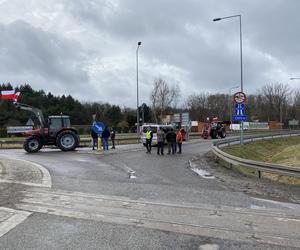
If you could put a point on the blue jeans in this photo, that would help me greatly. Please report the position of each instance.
(105, 143)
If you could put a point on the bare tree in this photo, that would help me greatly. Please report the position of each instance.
(276, 97)
(295, 108)
(163, 96)
(198, 106)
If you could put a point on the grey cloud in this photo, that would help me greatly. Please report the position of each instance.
(29, 54)
(179, 42)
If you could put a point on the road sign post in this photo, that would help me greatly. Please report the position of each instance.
(240, 99)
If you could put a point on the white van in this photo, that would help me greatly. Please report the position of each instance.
(154, 129)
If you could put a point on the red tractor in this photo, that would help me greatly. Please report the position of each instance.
(214, 128)
(56, 131)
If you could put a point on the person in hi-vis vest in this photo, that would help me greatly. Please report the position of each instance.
(149, 136)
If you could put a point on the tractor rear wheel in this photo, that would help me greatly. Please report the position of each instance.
(67, 140)
(32, 144)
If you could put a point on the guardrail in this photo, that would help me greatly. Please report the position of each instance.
(84, 141)
(257, 165)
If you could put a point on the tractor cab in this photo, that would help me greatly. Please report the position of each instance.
(57, 122)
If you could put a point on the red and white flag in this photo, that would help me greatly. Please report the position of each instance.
(10, 95)
(16, 96)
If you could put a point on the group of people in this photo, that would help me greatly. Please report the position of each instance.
(105, 135)
(173, 139)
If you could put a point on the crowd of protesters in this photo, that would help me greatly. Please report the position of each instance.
(172, 138)
(105, 135)
(174, 141)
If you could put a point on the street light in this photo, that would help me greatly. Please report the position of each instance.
(295, 78)
(137, 91)
(230, 103)
(241, 58)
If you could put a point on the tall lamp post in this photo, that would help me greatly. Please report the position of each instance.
(230, 104)
(137, 91)
(241, 61)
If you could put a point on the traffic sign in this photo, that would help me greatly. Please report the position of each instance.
(239, 109)
(98, 127)
(240, 118)
(239, 97)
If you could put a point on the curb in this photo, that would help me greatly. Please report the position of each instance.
(46, 177)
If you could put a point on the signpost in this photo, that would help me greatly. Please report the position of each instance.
(240, 112)
(240, 99)
(98, 128)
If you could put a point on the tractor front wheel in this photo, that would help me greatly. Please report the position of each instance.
(67, 140)
(32, 144)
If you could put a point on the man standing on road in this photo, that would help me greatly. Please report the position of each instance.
(179, 139)
(160, 141)
(112, 137)
(105, 136)
(95, 139)
(171, 139)
(149, 136)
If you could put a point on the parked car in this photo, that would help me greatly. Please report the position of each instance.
(154, 128)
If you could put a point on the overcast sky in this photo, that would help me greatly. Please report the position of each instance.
(87, 48)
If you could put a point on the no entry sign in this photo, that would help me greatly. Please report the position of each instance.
(239, 97)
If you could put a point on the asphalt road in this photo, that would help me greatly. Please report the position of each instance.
(95, 203)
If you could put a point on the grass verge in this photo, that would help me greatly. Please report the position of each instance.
(285, 150)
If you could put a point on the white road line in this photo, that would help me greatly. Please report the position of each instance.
(277, 226)
(283, 204)
(15, 217)
(124, 167)
(24, 183)
(209, 247)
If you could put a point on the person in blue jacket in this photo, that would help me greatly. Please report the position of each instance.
(105, 137)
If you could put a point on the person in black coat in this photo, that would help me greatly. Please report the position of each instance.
(95, 139)
(171, 140)
(105, 136)
(112, 137)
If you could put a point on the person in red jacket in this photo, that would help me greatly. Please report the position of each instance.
(179, 139)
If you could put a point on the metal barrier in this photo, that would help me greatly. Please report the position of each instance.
(257, 165)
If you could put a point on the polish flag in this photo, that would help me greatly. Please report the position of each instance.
(16, 96)
(10, 95)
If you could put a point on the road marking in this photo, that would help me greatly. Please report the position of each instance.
(10, 218)
(283, 204)
(209, 247)
(125, 168)
(24, 183)
(278, 227)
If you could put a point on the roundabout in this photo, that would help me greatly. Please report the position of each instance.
(96, 190)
